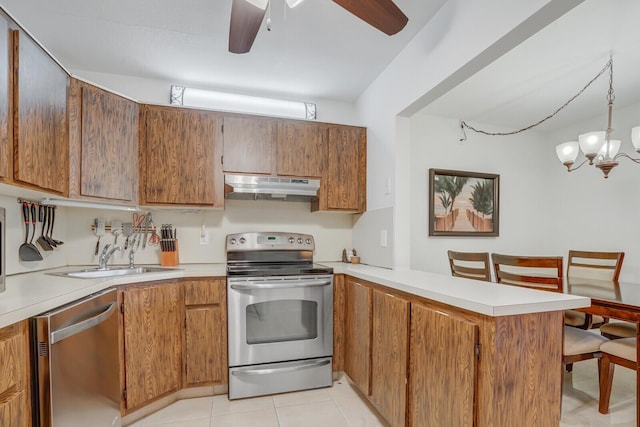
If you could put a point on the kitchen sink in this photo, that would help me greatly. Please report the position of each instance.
(95, 273)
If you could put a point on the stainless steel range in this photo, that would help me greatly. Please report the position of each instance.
(280, 307)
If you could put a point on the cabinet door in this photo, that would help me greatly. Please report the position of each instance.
(109, 145)
(389, 357)
(152, 342)
(357, 357)
(6, 136)
(345, 186)
(302, 149)
(249, 145)
(443, 369)
(179, 157)
(15, 398)
(41, 145)
(206, 345)
(205, 349)
(338, 322)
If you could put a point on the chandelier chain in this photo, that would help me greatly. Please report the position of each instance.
(610, 96)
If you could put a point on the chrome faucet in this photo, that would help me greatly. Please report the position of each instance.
(106, 254)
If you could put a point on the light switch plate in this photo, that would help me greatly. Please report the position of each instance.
(204, 236)
(383, 238)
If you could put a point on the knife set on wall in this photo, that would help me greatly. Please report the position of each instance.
(169, 245)
(32, 213)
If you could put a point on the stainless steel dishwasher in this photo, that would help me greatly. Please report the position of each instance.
(76, 364)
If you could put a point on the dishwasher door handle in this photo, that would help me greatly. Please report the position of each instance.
(76, 328)
(267, 371)
(278, 285)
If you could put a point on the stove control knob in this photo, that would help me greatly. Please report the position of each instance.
(232, 241)
(308, 241)
(300, 240)
(291, 240)
(242, 240)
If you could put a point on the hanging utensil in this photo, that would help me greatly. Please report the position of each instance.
(34, 225)
(99, 231)
(49, 213)
(146, 229)
(42, 216)
(127, 230)
(26, 251)
(53, 220)
(116, 230)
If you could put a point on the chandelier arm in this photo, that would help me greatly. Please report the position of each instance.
(570, 169)
(626, 156)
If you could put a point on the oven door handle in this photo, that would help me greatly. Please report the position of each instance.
(268, 371)
(278, 285)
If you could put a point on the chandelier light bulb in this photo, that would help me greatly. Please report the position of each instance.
(635, 138)
(614, 147)
(567, 152)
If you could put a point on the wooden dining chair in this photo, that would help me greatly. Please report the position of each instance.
(604, 266)
(615, 352)
(537, 272)
(472, 265)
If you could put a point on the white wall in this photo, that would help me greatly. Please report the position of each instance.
(157, 92)
(462, 38)
(526, 196)
(332, 231)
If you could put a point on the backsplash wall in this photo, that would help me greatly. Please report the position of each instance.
(332, 231)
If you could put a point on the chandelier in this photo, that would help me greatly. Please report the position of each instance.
(597, 146)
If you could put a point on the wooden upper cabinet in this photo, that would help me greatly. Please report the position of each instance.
(178, 160)
(152, 328)
(302, 149)
(103, 144)
(343, 187)
(41, 151)
(6, 136)
(249, 144)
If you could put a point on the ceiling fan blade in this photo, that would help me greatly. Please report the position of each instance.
(382, 14)
(246, 19)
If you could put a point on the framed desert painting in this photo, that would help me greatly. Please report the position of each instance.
(463, 203)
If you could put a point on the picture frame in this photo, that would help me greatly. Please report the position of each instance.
(463, 203)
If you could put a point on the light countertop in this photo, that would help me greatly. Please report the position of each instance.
(29, 294)
(490, 299)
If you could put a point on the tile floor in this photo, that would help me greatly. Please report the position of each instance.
(341, 406)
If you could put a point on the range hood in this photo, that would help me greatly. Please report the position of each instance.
(247, 187)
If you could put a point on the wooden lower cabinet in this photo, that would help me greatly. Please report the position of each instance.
(389, 352)
(15, 395)
(338, 322)
(423, 363)
(357, 344)
(443, 368)
(152, 330)
(205, 340)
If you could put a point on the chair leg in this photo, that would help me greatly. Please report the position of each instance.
(569, 367)
(605, 369)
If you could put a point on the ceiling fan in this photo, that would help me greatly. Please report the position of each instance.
(247, 16)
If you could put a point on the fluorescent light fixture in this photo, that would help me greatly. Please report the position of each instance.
(234, 102)
(90, 205)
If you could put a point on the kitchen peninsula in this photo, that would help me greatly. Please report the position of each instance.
(422, 347)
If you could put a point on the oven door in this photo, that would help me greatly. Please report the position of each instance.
(273, 319)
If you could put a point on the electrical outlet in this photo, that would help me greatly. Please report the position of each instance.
(383, 238)
(204, 236)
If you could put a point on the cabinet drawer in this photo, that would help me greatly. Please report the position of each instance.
(203, 292)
